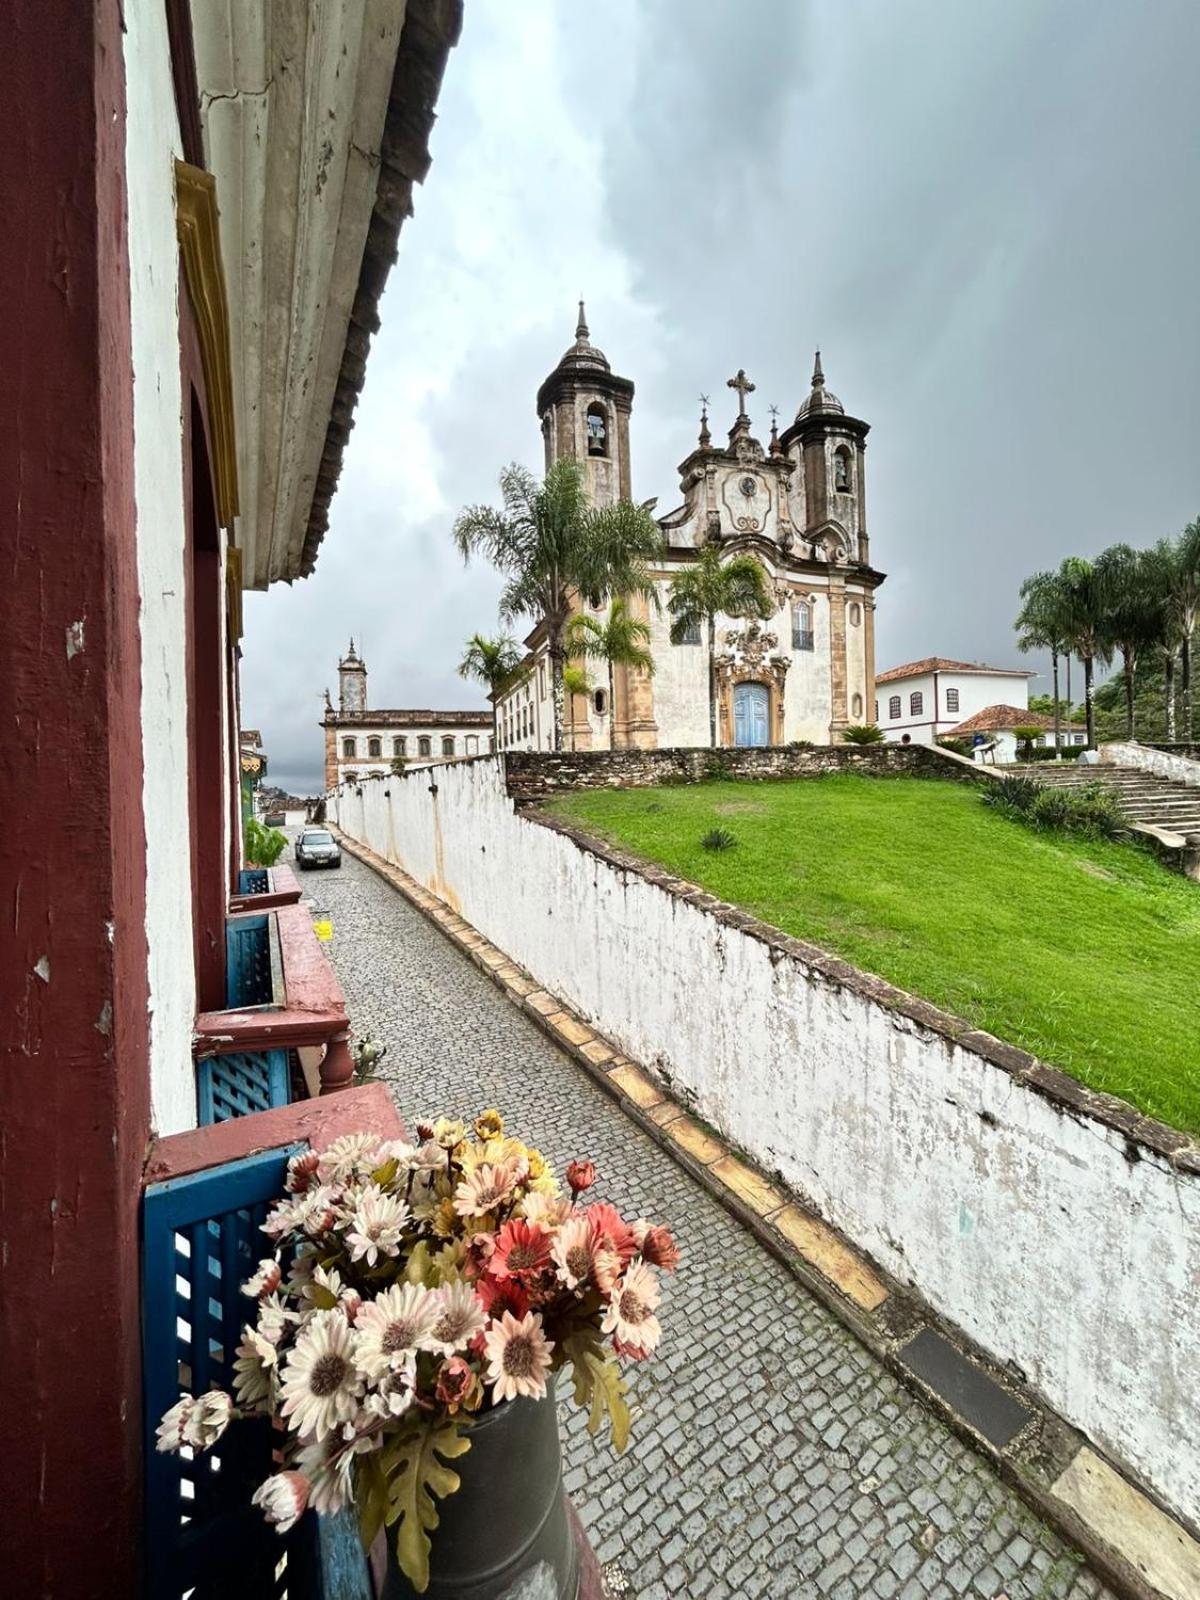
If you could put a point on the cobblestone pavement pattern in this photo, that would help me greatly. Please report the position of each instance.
(771, 1455)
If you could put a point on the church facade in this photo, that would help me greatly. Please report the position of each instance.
(362, 743)
(797, 505)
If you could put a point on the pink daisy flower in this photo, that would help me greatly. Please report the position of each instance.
(518, 1355)
(521, 1251)
(484, 1189)
(611, 1230)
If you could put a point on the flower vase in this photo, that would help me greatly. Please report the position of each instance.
(505, 1534)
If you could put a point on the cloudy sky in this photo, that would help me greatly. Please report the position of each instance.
(984, 213)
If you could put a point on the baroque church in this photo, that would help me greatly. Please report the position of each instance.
(798, 505)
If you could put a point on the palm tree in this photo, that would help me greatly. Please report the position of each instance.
(494, 663)
(1041, 625)
(708, 590)
(1161, 564)
(1131, 621)
(552, 545)
(623, 640)
(1185, 604)
(1084, 625)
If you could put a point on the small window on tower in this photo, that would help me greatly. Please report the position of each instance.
(691, 634)
(374, 748)
(600, 701)
(802, 625)
(855, 614)
(856, 706)
(597, 430)
(841, 470)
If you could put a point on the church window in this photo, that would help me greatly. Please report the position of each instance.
(375, 748)
(349, 749)
(492, 745)
(856, 706)
(424, 745)
(841, 470)
(916, 703)
(951, 699)
(691, 634)
(802, 625)
(448, 746)
(472, 744)
(600, 701)
(597, 430)
(894, 707)
(400, 746)
(855, 614)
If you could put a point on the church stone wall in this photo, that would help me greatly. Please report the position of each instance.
(1043, 1220)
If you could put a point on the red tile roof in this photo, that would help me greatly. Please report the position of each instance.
(914, 669)
(993, 718)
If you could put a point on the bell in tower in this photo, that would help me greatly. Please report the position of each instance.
(584, 411)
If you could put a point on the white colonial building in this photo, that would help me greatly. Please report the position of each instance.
(362, 743)
(927, 700)
(798, 506)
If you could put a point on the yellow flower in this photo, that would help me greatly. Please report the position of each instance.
(445, 1218)
(537, 1163)
(449, 1131)
(489, 1124)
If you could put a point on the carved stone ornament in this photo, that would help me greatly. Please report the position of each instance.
(747, 449)
(751, 652)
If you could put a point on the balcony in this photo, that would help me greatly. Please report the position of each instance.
(265, 889)
(284, 1032)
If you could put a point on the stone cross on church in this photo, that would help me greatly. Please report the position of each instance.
(743, 386)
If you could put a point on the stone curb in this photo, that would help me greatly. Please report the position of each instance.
(1046, 1461)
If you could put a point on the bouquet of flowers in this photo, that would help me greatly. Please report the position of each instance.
(410, 1288)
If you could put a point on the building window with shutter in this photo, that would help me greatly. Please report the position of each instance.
(448, 746)
(916, 703)
(424, 745)
(951, 699)
(349, 749)
(894, 707)
(400, 746)
(375, 748)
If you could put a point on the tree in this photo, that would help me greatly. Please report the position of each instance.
(1084, 625)
(1130, 619)
(1042, 625)
(495, 663)
(398, 764)
(552, 546)
(622, 640)
(711, 589)
(1185, 607)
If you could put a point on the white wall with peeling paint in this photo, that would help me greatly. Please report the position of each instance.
(1043, 1234)
(151, 145)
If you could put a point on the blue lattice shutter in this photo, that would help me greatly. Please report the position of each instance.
(235, 1085)
(248, 962)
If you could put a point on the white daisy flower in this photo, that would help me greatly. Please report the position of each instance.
(196, 1420)
(265, 1281)
(377, 1225)
(321, 1385)
(354, 1155)
(574, 1252)
(630, 1314)
(518, 1354)
(460, 1317)
(549, 1211)
(256, 1370)
(391, 1328)
(284, 1499)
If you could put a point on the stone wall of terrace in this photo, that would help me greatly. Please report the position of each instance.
(532, 775)
(1057, 1227)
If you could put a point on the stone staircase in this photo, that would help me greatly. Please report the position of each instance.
(1144, 798)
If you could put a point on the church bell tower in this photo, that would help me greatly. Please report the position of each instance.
(352, 684)
(584, 411)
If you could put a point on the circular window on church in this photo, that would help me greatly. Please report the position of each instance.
(748, 488)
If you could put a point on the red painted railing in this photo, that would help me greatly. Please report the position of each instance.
(284, 891)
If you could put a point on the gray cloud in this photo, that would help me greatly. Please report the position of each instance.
(984, 214)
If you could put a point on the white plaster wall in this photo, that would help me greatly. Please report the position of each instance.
(151, 145)
(1028, 1227)
(808, 691)
(680, 681)
(1162, 763)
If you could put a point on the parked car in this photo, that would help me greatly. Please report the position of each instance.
(308, 827)
(316, 847)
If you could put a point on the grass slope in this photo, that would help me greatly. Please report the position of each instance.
(1085, 953)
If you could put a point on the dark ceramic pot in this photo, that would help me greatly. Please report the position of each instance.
(505, 1534)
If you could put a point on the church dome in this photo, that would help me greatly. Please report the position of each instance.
(583, 355)
(820, 400)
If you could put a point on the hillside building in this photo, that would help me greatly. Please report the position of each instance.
(924, 701)
(362, 743)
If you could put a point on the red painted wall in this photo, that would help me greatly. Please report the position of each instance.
(74, 1078)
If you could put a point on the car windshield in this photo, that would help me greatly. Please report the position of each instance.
(318, 838)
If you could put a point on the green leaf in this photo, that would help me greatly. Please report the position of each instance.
(599, 1384)
(414, 1477)
(372, 1493)
(420, 1263)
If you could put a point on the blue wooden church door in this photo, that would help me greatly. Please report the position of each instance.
(751, 715)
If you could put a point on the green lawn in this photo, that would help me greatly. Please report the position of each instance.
(1087, 954)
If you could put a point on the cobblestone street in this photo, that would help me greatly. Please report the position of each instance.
(771, 1455)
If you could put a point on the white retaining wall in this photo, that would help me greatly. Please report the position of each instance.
(1162, 763)
(1053, 1240)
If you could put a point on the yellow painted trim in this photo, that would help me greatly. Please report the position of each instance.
(198, 230)
(233, 590)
